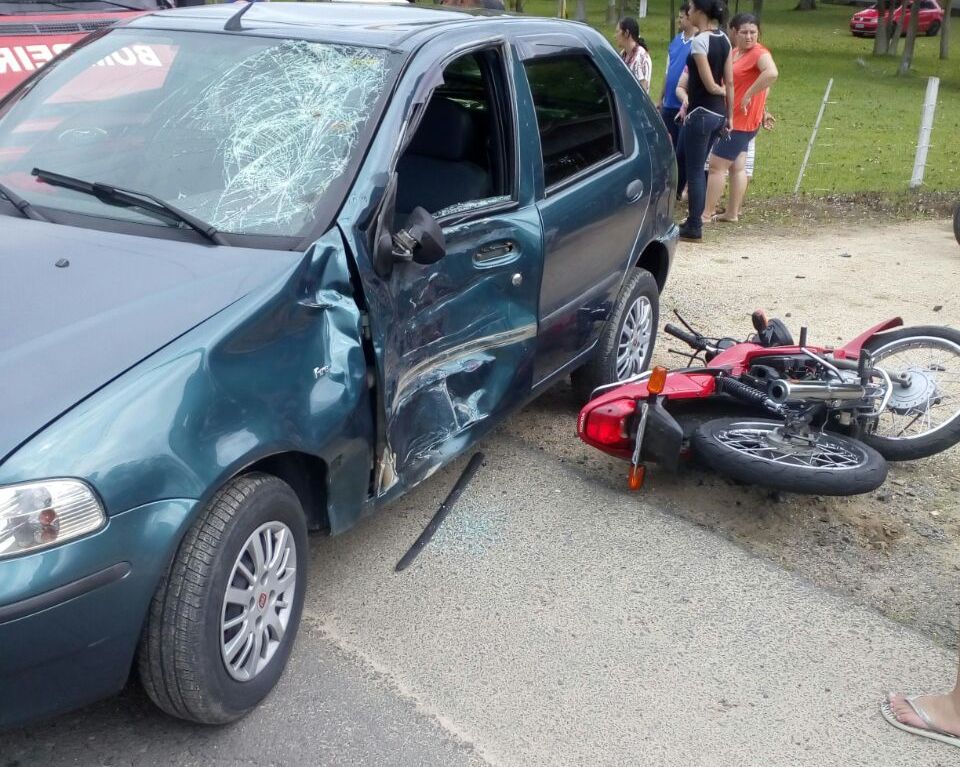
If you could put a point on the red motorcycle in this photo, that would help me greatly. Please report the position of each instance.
(834, 416)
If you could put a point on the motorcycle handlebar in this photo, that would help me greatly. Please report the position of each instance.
(688, 338)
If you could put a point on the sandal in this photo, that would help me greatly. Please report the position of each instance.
(930, 731)
(720, 219)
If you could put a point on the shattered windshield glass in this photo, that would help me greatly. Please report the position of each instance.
(252, 135)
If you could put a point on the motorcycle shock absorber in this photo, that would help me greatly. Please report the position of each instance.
(741, 391)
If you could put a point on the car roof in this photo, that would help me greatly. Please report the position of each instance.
(400, 25)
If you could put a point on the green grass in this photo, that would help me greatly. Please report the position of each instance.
(869, 132)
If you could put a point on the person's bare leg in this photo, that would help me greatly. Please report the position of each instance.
(715, 183)
(943, 709)
(738, 187)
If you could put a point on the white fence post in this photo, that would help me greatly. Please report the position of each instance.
(926, 126)
(813, 137)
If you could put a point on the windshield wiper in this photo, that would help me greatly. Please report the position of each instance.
(114, 195)
(22, 205)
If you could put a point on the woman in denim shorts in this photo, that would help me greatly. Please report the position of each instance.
(753, 73)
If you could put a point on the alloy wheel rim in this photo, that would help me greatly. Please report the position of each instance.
(258, 601)
(634, 338)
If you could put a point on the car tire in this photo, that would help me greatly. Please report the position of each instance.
(933, 29)
(182, 651)
(637, 306)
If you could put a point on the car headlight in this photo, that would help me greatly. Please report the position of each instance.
(37, 515)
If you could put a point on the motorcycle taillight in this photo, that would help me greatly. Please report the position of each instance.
(606, 425)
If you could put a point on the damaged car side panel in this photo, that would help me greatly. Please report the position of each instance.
(288, 379)
(453, 340)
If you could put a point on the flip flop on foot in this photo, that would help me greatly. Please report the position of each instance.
(718, 219)
(921, 716)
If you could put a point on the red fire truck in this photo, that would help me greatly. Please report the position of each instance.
(34, 31)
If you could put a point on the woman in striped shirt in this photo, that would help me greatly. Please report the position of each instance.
(633, 51)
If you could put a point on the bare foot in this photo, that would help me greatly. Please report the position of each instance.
(942, 710)
(725, 219)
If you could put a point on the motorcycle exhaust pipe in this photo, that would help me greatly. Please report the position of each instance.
(821, 391)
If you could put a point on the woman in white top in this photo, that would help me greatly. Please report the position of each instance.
(633, 51)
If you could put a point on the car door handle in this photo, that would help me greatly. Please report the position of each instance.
(495, 252)
(634, 190)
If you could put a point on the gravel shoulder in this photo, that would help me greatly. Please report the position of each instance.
(895, 550)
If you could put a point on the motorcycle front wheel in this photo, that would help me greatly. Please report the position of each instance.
(759, 452)
(922, 417)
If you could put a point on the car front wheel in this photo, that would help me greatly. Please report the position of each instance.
(626, 341)
(223, 621)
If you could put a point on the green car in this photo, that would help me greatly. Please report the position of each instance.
(265, 268)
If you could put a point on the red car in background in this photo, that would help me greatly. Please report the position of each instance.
(864, 23)
(32, 32)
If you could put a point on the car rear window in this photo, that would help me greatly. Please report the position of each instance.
(575, 115)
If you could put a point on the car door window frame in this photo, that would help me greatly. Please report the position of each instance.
(622, 133)
(502, 100)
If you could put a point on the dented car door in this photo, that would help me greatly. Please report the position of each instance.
(454, 340)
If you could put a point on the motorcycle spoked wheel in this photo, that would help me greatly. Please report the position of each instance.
(922, 418)
(758, 452)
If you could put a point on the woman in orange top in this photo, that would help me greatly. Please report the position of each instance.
(753, 74)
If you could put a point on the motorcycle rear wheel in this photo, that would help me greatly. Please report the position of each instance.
(921, 419)
(759, 453)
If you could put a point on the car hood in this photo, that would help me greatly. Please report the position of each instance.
(79, 307)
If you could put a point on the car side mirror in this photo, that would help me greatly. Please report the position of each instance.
(421, 240)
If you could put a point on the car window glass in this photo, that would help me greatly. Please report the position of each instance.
(253, 135)
(575, 115)
(129, 70)
(460, 157)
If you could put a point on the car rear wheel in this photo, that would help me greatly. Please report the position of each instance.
(223, 621)
(626, 341)
(933, 29)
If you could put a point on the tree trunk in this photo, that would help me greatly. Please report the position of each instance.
(806, 5)
(945, 33)
(581, 12)
(612, 12)
(881, 40)
(907, 61)
(518, 6)
(758, 8)
(895, 37)
(673, 19)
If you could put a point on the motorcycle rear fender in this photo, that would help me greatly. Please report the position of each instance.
(851, 350)
(662, 437)
(678, 386)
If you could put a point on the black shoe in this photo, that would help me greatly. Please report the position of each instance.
(688, 235)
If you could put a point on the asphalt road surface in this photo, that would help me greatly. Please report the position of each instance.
(554, 620)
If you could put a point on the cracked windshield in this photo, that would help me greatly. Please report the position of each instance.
(249, 136)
